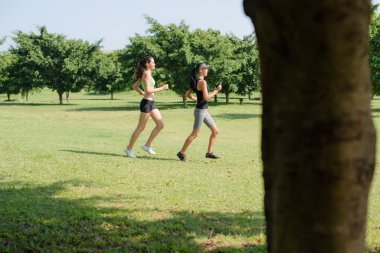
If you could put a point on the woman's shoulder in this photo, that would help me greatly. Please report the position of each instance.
(147, 74)
(201, 81)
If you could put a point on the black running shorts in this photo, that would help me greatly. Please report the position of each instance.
(147, 105)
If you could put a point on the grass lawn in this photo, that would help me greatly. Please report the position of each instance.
(66, 184)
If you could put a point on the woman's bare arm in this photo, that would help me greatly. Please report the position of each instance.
(206, 94)
(148, 89)
(136, 87)
(189, 94)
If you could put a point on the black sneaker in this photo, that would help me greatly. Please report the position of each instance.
(212, 156)
(181, 156)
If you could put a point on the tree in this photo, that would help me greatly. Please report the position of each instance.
(230, 65)
(374, 51)
(7, 86)
(249, 70)
(218, 51)
(67, 64)
(175, 54)
(139, 47)
(107, 73)
(318, 140)
(27, 66)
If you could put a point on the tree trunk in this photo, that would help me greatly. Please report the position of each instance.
(67, 96)
(216, 99)
(111, 95)
(60, 94)
(227, 98)
(184, 101)
(318, 140)
(27, 96)
(249, 95)
(9, 96)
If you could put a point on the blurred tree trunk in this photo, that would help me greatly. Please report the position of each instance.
(318, 138)
(60, 95)
(184, 101)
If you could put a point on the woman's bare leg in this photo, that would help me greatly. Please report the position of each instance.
(140, 127)
(194, 134)
(156, 116)
(214, 134)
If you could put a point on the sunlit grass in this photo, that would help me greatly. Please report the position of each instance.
(66, 185)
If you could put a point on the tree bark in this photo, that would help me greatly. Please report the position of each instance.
(9, 96)
(60, 94)
(318, 138)
(67, 96)
(184, 101)
(111, 95)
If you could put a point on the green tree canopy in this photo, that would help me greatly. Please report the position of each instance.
(107, 73)
(6, 81)
(53, 61)
(374, 50)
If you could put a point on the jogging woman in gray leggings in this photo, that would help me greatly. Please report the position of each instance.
(198, 85)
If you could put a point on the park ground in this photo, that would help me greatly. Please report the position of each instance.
(66, 184)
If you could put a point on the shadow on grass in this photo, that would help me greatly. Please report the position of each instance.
(146, 157)
(35, 218)
(238, 116)
(135, 107)
(92, 153)
(33, 104)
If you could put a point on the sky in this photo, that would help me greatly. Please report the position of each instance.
(115, 21)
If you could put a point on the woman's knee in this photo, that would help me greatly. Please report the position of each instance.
(194, 135)
(160, 125)
(215, 131)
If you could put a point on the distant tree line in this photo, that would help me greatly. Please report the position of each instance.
(47, 60)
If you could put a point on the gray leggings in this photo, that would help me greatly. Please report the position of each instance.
(200, 116)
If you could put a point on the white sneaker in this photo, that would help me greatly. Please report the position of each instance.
(148, 149)
(129, 153)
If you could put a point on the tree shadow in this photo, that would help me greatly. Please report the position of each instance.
(92, 153)
(105, 108)
(38, 218)
(149, 157)
(135, 107)
(238, 116)
(34, 104)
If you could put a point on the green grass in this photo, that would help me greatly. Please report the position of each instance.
(66, 185)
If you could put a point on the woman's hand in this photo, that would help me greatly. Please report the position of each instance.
(219, 87)
(165, 86)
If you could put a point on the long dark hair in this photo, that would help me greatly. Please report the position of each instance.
(141, 66)
(194, 76)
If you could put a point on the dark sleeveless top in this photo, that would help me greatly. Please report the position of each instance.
(201, 102)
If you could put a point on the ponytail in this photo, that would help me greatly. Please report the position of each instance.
(194, 77)
(141, 66)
